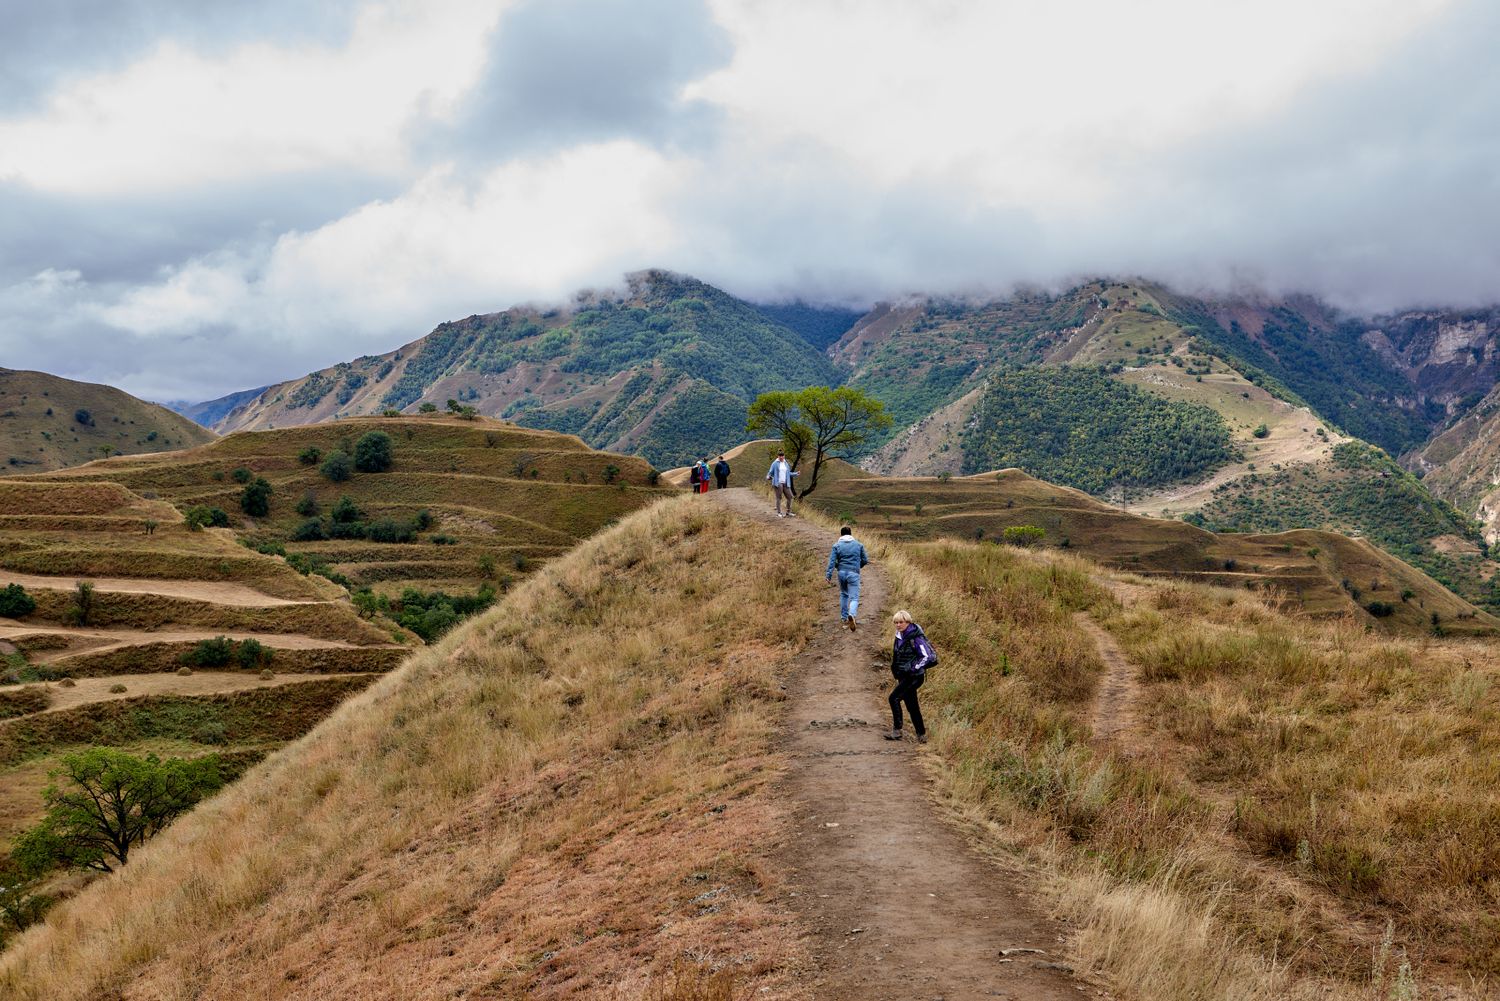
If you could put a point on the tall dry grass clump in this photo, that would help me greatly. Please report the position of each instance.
(566, 798)
(1237, 842)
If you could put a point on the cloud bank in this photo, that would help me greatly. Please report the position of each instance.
(232, 202)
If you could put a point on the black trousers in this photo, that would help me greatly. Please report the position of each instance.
(906, 691)
(723, 481)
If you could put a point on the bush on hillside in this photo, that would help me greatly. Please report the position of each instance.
(347, 530)
(256, 499)
(15, 603)
(346, 512)
(338, 467)
(241, 475)
(372, 454)
(310, 530)
(391, 530)
(82, 610)
(427, 408)
(83, 418)
(210, 653)
(307, 507)
(201, 516)
(253, 654)
(1025, 536)
(310, 455)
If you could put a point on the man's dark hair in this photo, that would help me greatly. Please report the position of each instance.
(846, 530)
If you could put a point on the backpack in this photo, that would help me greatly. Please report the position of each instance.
(932, 654)
(695, 477)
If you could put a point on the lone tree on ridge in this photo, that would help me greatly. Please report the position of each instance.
(828, 423)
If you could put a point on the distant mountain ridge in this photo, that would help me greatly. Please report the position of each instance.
(665, 368)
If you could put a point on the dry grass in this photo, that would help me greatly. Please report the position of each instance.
(568, 797)
(1177, 856)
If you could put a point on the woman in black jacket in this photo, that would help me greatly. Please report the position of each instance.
(911, 655)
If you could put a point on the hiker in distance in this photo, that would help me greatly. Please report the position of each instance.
(780, 476)
(702, 476)
(911, 656)
(847, 558)
(721, 473)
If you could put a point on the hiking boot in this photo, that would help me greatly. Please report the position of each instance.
(893, 735)
(853, 626)
(921, 738)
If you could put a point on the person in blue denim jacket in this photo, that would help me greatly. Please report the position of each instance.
(848, 559)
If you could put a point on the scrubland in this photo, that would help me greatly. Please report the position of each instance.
(570, 796)
(1302, 809)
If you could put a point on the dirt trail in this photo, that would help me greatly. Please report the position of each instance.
(898, 904)
(88, 690)
(217, 592)
(1114, 705)
(114, 639)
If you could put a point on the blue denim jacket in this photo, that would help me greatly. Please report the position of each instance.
(847, 556)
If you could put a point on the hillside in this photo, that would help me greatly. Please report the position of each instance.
(47, 422)
(211, 412)
(1319, 572)
(664, 370)
(576, 796)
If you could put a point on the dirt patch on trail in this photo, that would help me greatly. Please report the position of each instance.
(899, 906)
(215, 592)
(1114, 708)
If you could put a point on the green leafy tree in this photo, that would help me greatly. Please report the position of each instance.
(241, 475)
(310, 455)
(346, 512)
(338, 467)
(826, 423)
(372, 454)
(256, 499)
(102, 803)
(1025, 536)
(82, 609)
(428, 408)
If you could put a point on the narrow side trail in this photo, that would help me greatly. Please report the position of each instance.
(216, 592)
(1114, 708)
(898, 904)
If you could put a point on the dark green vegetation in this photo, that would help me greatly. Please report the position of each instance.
(820, 326)
(47, 422)
(1362, 492)
(1080, 428)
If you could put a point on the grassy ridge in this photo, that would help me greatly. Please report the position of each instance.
(564, 798)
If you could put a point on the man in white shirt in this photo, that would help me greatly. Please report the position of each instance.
(780, 476)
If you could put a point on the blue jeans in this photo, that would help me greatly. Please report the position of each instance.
(848, 595)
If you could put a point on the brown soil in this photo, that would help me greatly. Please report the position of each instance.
(87, 690)
(100, 640)
(217, 592)
(898, 905)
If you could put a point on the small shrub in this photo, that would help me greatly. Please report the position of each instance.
(338, 467)
(390, 412)
(117, 689)
(210, 653)
(372, 454)
(487, 566)
(1261, 431)
(424, 520)
(427, 408)
(184, 670)
(307, 507)
(82, 609)
(1025, 536)
(15, 603)
(241, 475)
(267, 675)
(310, 455)
(444, 540)
(253, 653)
(391, 530)
(67, 683)
(1380, 609)
(611, 473)
(83, 418)
(346, 512)
(256, 499)
(653, 477)
(310, 530)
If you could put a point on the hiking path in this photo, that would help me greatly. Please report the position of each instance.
(898, 904)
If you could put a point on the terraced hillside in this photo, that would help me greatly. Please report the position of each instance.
(1323, 573)
(463, 505)
(575, 796)
(47, 422)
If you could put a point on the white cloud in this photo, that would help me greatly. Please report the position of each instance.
(178, 118)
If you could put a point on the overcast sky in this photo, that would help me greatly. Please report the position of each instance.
(197, 198)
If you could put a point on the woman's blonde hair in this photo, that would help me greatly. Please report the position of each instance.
(902, 616)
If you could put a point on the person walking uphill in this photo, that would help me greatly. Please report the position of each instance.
(847, 558)
(721, 473)
(780, 476)
(911, 656)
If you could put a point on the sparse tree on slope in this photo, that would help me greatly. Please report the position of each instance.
(104, 802)
(828, 423)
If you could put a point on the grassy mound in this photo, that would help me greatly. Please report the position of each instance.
(564, 798)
